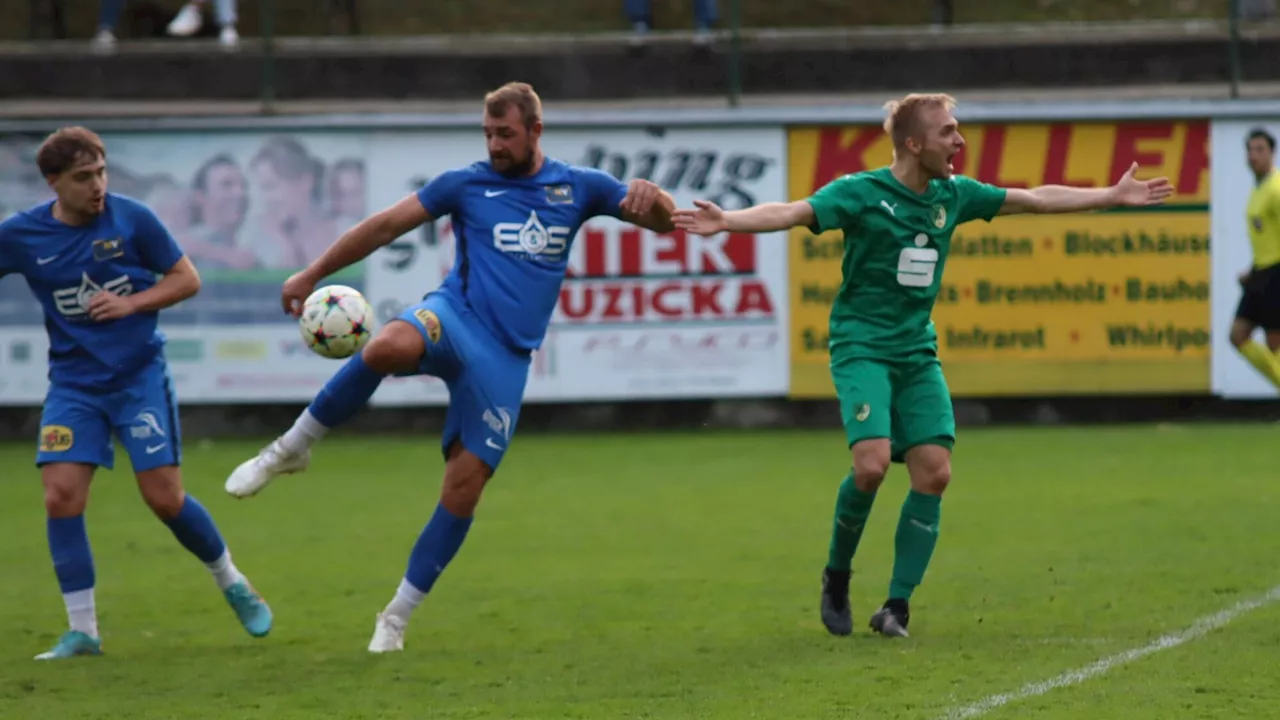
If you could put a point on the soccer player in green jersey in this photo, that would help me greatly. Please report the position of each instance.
(897, 223)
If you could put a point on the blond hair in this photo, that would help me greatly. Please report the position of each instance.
(903, 116)
(519, 94)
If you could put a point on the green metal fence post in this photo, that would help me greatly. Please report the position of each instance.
(268, 89)
(1233, 50)
(735, 52)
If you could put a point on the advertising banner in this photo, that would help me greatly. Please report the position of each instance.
(641, 315)
(1233, 182)
(1113, 302)
(249, 210)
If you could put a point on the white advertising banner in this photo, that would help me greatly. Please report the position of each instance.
(249, 209)
(1231, 182)
(641, 315)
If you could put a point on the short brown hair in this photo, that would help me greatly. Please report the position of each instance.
(519, 94)
(903, 119)
(68, 147)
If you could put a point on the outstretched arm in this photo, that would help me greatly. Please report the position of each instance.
(1127, 192)
(355, 245)
(709, 219)
(373, 232)
(648, 206)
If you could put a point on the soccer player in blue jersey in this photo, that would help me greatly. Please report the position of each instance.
(103, 266)
(515, 217)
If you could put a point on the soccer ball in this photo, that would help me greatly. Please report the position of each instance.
(336, 321)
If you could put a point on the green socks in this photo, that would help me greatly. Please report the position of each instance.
(853, 507)
(914, 542)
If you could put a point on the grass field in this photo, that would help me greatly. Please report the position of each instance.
(675, 576)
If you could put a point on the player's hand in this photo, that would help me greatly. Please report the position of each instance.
(640, 197)
(107, 306)
(295, 292)
(708, 219)
(1129, 191)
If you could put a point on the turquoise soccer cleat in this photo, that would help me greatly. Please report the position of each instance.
(71, 644)
(253, 612)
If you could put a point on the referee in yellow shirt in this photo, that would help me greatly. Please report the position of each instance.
(1260, 302)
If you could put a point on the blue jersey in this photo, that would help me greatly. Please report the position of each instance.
(513, 238)
(122, 251)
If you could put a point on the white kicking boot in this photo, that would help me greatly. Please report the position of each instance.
(388, 634)
(273, 461)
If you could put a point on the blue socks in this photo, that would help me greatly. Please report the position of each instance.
(435, 547)
(194, 528)
(345, 393)
(72, 559)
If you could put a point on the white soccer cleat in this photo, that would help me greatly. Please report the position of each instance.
(388, 634)
(188, 21)
(273, 461)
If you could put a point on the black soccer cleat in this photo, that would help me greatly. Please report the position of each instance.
(835, 602)
(891, 620)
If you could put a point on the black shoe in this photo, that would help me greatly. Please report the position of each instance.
(835, 602)
(891, 620)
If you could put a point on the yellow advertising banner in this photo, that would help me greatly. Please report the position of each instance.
(1110, 302)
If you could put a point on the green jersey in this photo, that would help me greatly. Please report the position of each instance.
(896, 243)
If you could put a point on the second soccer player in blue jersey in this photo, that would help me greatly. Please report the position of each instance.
(92, 259)
(514, 217)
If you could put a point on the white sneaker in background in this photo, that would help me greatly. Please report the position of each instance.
(188, 22)
(229, 38)
(105, 40)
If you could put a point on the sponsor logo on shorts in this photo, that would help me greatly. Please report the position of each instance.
(499, 421)
(864, 412)
(146, 425)
(430, 322)
(56, 438)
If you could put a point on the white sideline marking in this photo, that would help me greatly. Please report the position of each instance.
(1197, 630)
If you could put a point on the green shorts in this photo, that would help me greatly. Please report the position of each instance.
(908, 403)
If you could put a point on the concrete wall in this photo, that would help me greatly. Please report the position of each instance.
(598, 69)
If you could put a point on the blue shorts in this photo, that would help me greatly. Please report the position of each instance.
(485, 378)
(78, 425)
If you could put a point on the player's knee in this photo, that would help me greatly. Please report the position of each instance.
(66, 490)
(162, 492)
(63, 500)
(398, 348)
(930, 468)
(870, 464)
(1240, 334)
(465, 476)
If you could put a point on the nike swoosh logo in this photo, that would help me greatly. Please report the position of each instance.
(46, 261)
(492, 444)
(493, 193)
(153, 449)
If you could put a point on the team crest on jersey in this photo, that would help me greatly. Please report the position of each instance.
(56, 438)
(1257, 222)
(939, 216)
(104, 249)
(430, 322)
(559, 194)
